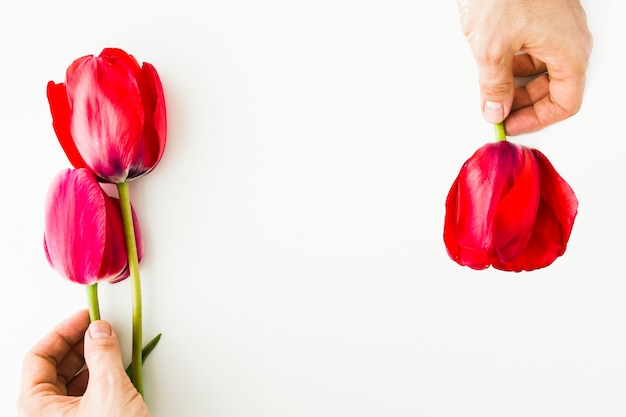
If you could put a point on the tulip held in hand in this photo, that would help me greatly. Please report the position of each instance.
(109, 117)
(508, 208)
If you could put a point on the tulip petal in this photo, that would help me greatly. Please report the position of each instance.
(558, 195)
(155, 129)
(120, 54)
(115, 247)
(545, 244)
(146, 86)
(475, 258)
(60, 110)
(484, 178)
(107, 116)
(553, 224)
(79, 234)
(138, 241)
(514, 218)
(449, 226)
(476, 202)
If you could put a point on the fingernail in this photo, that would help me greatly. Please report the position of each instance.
(99, 329)
(493, 112)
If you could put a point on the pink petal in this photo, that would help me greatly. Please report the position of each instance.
(115, 249)
(138, 240)
(76, 230)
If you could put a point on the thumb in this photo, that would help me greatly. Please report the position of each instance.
(497, 88)
(109, 390)
(103, 358)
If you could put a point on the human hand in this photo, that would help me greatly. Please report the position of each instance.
(556, 43)
(55, 382)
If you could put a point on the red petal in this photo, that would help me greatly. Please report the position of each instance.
(484, 178)
(106, 117)
(475, 199)
(554, 221)
(475, 258)
(109, 54)
(514, 218)
(544, 246)
(69, 73)
(558, 195)
(449, 227)
(60, 110)
(155, 129)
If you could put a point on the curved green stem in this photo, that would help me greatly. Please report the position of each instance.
(133, 266)
(92, 302)
(500, 133)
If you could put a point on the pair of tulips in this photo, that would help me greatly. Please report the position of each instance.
(109, 117)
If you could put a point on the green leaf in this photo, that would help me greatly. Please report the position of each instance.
(145, 352)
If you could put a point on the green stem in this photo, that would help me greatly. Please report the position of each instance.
(92, 302)
(133, 266)
(500, 133)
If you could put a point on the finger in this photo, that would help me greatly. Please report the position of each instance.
(104, 361)
(525, 65)
(109, 390)
(497, 85)
(563, 101)
(531, 93)
(76, 387)
(71, 364)
(40, 363)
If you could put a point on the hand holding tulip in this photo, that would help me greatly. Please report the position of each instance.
(109, 117)
(557, 45)
(76, 370)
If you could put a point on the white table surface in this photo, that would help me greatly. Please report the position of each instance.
(294, 256)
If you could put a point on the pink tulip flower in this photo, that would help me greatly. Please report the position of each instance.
(83, 232)
(508, 208)
(109, 115)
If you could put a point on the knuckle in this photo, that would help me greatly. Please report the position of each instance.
(496, 89)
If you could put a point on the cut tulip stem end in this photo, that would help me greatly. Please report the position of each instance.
(133, 266)
(92, 302)
(499, 132)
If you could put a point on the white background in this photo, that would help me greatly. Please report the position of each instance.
(293, 229)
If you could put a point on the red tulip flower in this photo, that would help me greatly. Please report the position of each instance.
(83, 233)
(109, 115)
(508, 208)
